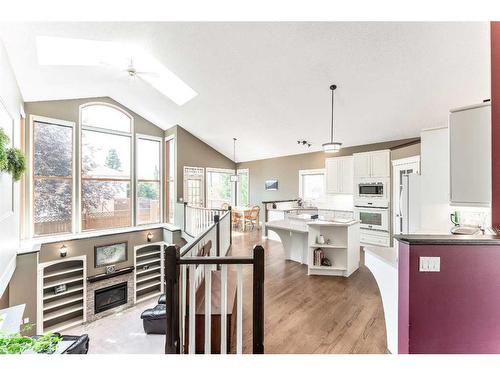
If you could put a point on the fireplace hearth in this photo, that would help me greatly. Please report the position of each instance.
(110, 297)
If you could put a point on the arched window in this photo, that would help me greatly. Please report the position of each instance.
(106, 166)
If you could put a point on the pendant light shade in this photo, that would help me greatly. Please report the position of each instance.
(332, 146)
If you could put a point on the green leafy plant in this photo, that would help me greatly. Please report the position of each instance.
(16, 163)
(12, 160)
(15, 343)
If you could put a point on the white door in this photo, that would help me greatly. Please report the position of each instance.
(400, 168)
(333, 175)
(362, 165)
(380, 164)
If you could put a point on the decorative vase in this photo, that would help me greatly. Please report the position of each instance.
(321, 239)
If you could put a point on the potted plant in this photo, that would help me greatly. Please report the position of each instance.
(12, 160)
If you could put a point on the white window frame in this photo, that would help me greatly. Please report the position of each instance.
(30, 188)
(161, 146)
(186, 175)
(242, 171)
(132, 153)
(170, 138)
(305, 172)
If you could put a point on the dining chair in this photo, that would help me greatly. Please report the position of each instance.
(252, 217)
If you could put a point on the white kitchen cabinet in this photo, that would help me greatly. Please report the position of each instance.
(339, 175)
(372, 164)
(470, 155)
(362, 164)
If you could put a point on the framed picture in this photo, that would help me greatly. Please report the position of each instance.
(110, 254)
(271, 184)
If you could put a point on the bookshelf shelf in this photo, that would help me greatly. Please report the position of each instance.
(149, 281)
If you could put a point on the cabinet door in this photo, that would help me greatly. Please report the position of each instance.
(380, 164)
(347, 175)
(362, 165)
(333, 169)
(470, 156)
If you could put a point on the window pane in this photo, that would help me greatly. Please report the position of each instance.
(313, 186)
(243, 199)
(219, 189)
(103, 116)
(105, 204)
(53, 206)
(148, 202)
(148, 159)
(52, 150)
(105, 155)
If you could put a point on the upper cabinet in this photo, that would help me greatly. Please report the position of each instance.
(339, 175)
(372, 164)
(470, 155)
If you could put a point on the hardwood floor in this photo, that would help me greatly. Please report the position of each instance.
(311, 314)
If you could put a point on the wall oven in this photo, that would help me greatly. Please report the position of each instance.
(373, 218)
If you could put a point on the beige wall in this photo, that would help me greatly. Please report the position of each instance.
(193, 152)
(22, 287)
(286, 168)
(4, 299)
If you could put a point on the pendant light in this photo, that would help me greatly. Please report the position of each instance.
(332, 146)
(235, 177)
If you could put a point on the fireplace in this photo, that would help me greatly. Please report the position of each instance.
(109, 297)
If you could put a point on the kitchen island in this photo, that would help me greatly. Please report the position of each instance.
(328, 248)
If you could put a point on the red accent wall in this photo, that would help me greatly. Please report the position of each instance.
(455, 310)
(495, 123)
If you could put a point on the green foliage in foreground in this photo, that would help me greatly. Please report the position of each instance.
(15, 343)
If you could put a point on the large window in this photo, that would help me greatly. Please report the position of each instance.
(312, 185)
(148, 169)
(170, 179)
(52, 161)
(105, 167)
(220, 189)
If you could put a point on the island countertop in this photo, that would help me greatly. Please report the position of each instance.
(448, 239)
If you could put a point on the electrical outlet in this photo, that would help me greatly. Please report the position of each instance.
(430, 264)
(26, 320)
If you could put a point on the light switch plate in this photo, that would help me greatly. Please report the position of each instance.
(430, 264)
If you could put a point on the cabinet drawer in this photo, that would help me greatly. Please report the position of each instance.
(374, 238)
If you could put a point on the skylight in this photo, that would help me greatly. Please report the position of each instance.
(82, 52)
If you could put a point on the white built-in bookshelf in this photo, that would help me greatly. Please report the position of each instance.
(341, 247)
(59, 310)
(148, 274)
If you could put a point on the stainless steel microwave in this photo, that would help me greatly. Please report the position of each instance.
(371, 189)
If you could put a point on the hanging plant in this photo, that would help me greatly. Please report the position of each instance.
(12, 160)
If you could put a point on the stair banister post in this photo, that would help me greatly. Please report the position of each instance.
(172, 256)
(258, 300)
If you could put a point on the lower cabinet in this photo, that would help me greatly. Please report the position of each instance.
(372, 237)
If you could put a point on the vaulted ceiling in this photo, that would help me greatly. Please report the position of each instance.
(268, 83)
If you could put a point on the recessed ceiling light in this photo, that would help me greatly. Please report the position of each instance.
(82, 52)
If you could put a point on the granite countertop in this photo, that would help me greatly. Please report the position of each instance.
(448, 239)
